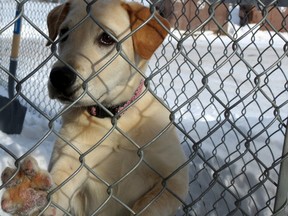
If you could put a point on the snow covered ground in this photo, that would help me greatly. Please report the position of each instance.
(206, 56)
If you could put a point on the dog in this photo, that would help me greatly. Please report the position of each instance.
(117, 152)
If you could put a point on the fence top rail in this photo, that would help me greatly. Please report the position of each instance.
(280, 3)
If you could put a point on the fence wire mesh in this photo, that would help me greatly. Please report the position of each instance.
(222, 71)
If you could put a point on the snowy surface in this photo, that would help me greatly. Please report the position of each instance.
(223, 146)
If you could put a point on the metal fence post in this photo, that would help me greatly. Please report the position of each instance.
(282, 189)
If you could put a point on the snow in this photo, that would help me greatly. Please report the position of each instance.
(186, 78)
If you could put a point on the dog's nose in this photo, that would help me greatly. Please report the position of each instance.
(62, 78)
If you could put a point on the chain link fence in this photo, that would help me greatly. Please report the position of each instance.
(222, 71)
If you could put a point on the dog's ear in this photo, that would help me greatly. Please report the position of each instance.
(55, 19)
(147, 39)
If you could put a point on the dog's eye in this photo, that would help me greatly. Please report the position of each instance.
(62, 32)
(106, 39)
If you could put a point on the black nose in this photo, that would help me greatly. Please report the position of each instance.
(62, 78)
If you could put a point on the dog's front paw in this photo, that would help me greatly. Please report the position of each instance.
(26, 192)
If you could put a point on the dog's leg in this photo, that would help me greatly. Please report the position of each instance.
(159, 201)
(69, 175)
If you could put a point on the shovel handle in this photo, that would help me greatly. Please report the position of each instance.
(16, 33)
(15, 50)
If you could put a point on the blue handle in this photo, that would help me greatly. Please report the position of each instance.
(17, 25)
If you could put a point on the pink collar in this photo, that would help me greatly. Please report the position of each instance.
(99, 112)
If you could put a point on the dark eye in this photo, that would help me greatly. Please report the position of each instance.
(62, 34)
(106, 39)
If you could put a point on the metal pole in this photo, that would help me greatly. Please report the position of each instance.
(282, 189)
(15, 51)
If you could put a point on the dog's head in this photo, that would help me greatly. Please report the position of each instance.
(95, 46)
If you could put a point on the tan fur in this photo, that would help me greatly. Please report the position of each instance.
(54, 20)
(148, 38)
(127, 168)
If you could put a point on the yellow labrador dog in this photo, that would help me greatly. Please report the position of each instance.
(117, 153)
